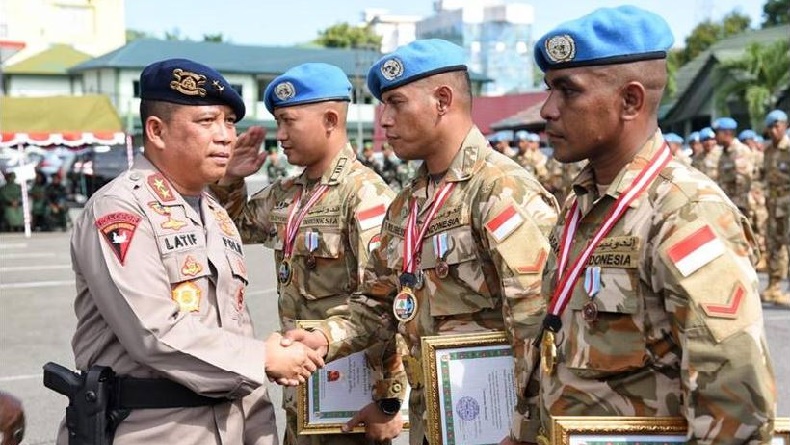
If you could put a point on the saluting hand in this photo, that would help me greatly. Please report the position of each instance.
(247, 156)
(290, 365)
(378, 426)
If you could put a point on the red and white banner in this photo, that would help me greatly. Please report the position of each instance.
(69, 139)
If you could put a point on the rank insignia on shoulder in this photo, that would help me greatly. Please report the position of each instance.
(187, 295)
(696, 250)
(502, 225)
(728, 309)
(372, 217)
(118, 229)
(161, 187)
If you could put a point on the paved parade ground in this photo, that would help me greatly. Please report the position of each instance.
(37, 322)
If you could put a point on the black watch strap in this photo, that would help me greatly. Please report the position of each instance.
(389, 406)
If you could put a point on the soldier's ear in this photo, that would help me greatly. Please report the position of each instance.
(633, 100)
(331, 119)
(444, 98)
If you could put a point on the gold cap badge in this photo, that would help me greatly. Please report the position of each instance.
(188, 83)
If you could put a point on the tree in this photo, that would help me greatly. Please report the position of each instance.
(133, 34)
(756, 79)
(343, 35)
(707, 33)
(218, 37)
(776, 12)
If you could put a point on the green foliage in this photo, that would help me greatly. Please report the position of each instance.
(776, 12)
(707, 33)
(343, 35)
(133, 34)
(757, 78)
(213, 37)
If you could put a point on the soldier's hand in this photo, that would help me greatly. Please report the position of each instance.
(378, 426)
(247, 156)
(12, 419)
(312, 339)
(290, 365)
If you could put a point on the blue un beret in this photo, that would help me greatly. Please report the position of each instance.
(185, 82)
(307, 83)
(724, 123)
(417, 60)
(522, 135)
(693, 137)
(706, 133)
(774, 117)
(745, 135)
(673, 137)
(604, 37)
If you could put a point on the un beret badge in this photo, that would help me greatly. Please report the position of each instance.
(284, 90)
(188, 83)
(391, 69)
(561, 48)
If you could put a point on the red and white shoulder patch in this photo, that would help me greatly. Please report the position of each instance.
(696, 250)
(728, 309)
(118, 229)
(502, 225)
(371, 217)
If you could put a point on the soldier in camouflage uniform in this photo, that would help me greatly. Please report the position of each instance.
(342, 204)
(707, 160)
(477, 265)
(561, 176)
(759, 214)
(675, 143)
(530, 157)
(777, 179)
(736, 166)
(654, 305)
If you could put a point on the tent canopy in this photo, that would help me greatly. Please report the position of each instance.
(66, 120)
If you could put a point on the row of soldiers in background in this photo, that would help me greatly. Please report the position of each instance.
(48, 209)
(554, 176)
(391, 169)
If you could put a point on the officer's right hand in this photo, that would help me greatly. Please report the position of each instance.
(247, 156)
(312, 339)
(290, 365)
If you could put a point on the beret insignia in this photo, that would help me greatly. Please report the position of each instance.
(284, 90)
(188, 83)
(391, 69)
(561, 48)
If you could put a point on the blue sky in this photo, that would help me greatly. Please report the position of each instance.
(286, 22)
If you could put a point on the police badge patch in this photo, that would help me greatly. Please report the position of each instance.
(285, 91)
(188, 83)
(561, 48)
(118, 229)
(392, 69)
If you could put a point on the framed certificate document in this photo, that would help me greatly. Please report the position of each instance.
(635, 430)
(334, 394)
(469, 388)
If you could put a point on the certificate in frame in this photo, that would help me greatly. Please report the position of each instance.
(334, 394)
(632, 430)
(469, 387)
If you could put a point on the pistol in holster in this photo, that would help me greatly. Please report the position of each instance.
(90, 416)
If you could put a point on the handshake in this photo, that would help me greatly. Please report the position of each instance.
(293, 357)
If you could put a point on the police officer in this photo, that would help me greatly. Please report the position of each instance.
(736, 166)
(777, 179)
(321, 223)
(529, 155)
(477, 222)
(161, 276)
(654, 307)
(707, 160)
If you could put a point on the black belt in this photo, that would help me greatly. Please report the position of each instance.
(137, 393)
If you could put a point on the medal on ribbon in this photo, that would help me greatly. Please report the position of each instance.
(404, 306)
(592, 285)
(295, 217)
(284, 272)
(311, 243)
(548, 352)
(440, 247)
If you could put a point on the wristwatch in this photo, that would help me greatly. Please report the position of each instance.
(389, 406)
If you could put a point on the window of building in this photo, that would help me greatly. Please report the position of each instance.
(136, 88)
(237, 87)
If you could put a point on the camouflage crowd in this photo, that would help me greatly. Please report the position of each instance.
(47, 197)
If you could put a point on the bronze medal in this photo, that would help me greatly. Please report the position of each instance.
(310, 261)
(442, 269)
(284, 272)
(590, 311)
(404, 306)
(548, 352)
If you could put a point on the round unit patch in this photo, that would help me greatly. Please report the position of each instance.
(392, 69)
(284, 90)
(561, 48)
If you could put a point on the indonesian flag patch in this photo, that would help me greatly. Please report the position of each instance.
(118, 229)
(504, 224)
(371, 217)
(374, 242)
(696, 250)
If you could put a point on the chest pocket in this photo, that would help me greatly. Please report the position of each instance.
(322, 272)
(614, 341)
(237, 267)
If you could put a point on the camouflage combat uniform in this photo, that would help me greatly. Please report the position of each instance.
(535, 162)
(347, 221)
(736, 169)
(777, 199)
(561, 177)
(759, 213)
(493, 283)
(679, 329)
(708, 162)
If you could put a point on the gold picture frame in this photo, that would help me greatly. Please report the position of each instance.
(330, 421)
(571, 430)
(479, 399)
